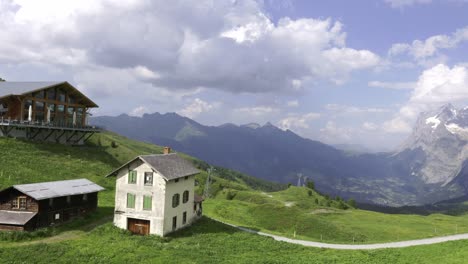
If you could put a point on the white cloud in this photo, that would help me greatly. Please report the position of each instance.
(406, 3)
(334, 133)
(396, 125)
(393, 85)
(346, 109)
(293, 103)
(436, 86)
(226, 45)
(197, 107)
(256, 110)
(297, 122)
(370, 126)
(139, 111)
(428, 51)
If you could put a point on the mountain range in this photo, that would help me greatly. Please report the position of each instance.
(430, 166)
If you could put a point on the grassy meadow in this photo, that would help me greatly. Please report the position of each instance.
(236, 198)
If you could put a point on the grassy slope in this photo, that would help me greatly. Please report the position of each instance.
(211, 242)
(294, 211)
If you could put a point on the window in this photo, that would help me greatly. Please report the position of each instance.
(147, 202)
(176, 180)
(39, 94)
(57, 216)
(132, 177)
(60, 108)
(175, 200)
(71, 99)
(148, 178)
(85, 197)
(185, 197)
(174, 223)
(14, 204)
(130, 200)
(61, 96)
(70, 110)
(51, 94)
(22, 202)
(68, 199)
(39, 112)
(184, 218)
(186, 177)
(51, 202)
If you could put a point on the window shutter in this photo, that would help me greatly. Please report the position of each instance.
(130, 200)
(147, 201)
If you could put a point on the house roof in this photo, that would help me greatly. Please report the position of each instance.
(15, 217)
(46, 190)
(198, 198)
(22, 88)
(170, 166)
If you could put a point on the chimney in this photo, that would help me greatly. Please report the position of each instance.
(167, 150)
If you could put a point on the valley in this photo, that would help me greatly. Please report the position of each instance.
(428, 168)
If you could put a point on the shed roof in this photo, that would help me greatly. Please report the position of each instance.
(170, 166)
(21, 88)
(15, 217)
(46, 190)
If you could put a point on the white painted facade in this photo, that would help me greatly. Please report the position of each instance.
(162, 191)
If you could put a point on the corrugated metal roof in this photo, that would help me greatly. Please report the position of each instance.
(15, 217)
(46, 190)
(7, 88)
(171, 166)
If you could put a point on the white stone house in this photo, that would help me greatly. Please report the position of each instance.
(155, 194)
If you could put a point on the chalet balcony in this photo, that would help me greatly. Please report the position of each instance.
(47, 125)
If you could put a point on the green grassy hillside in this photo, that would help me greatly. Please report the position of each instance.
(236, 198)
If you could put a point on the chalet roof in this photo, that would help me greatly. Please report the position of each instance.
(170, 166)
(21, 88)
(46, 190)
(198, 198)
(15, 217)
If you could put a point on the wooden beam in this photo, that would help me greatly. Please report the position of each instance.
(50, 134)
(86, 139)
(80, 138)
(57, 139)
(72, 135)
(37, 133)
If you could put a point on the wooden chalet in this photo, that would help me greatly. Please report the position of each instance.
(30, 206)
(47, 111)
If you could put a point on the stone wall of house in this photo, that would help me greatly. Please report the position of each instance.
(156, 191)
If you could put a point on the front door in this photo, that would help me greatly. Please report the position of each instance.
(138, 226)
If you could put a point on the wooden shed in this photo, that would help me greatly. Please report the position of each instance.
(30, 206)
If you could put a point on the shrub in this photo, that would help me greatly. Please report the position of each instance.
(230, 195)
(309, 192)
(352, 203)
(310, 185)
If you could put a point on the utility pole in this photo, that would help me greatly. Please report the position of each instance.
(304, 183)
(206, 191)
(299, 177)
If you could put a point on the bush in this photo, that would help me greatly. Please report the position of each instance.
(114, 144)
(352, 203)
(309, 192)
(310, 185)
(230, 195)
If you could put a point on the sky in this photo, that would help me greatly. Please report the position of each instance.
(342, 72)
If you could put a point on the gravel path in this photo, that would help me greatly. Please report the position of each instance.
(401, 244)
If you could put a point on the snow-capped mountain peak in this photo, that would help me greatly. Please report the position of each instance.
(440, 140)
